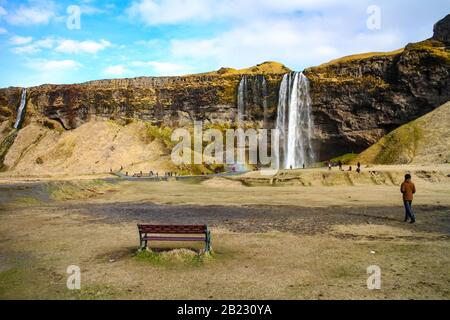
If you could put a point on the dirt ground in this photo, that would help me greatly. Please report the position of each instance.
(270, 242)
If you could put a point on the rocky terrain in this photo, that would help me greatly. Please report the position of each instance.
(356, 99)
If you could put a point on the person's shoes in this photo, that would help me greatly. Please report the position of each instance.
(406, 220)
(414, 221)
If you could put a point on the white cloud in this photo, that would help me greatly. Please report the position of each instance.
(36, 46)
(91, 10)
(25, 45)
(117, 70)
(3, 31)
(53, 66)
(91, 47)
(50, 71)
(280, 41)
(17, 40)
(298, 40)
(34, 13)
(163, 68)
(155, 12)
(299, 33)
(3, 12)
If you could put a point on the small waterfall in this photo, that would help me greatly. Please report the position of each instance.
(21, 110)
(252, 92)
(264, 102)
(242, 99)
(294, 122)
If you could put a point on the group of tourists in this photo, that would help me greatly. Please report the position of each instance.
(153, 174)
(330, 165)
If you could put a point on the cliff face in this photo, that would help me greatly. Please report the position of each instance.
(169, 100)
(356, 99)
(359, 99)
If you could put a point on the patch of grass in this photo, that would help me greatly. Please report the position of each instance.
(268, 67)
(362, 56)
(343, 272)
(23, 282)
(6, 143)
(400, 146)
(27, 201)
(64, 149)
(434, 48)
(5, 112)
(162, 133)
(9, 279)
(173, 258)
(76, 190)
(95, 292)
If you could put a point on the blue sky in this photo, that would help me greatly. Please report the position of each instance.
(118, 39)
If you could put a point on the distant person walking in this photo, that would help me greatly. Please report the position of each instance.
(408, 189)
(340, 165)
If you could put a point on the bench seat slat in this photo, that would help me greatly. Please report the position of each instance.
(173, 229)
(173, 239)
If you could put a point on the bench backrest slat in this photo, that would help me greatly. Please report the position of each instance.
(172, 229)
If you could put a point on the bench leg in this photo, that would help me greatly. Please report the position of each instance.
(208, 242)
(143, 244)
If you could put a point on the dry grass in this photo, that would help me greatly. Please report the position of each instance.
(268, 67)
(362, 56)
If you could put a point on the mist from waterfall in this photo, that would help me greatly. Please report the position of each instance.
(295, 123)
(23, 102)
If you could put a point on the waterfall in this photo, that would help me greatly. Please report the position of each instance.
(252, 93)
(294, 122)
(20, 111)
(242, 99)
(264, 102)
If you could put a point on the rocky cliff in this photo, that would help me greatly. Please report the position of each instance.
(356, 99)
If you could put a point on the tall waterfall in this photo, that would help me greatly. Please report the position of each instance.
(20, 112)
(294, 122)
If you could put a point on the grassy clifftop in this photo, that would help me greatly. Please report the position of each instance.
(268, 67)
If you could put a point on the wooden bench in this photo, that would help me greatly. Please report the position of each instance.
(148, 232)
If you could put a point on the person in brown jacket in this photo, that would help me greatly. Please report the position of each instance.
(408, 189)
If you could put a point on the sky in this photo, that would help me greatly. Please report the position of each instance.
(72, 41)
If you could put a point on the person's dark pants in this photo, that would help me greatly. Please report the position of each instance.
(409, 214)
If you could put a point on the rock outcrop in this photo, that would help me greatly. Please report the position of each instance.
(442, 30)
